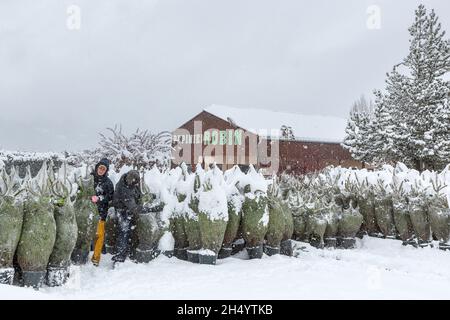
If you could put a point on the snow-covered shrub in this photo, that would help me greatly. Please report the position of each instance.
(140, 150)
(212, 215)
(255, 213)
(86, 216)
(235, 200)
(11, 219)
(38, 231)
(66, 230)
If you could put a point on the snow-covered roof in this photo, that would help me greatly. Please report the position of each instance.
(268, 123)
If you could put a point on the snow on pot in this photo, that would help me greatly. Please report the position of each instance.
(38, 231)
(213, 215)
(439, 215)
(86, 216)
(255, 213)
(235, 200)
(66, 233)
(384, 210)
(11, 219)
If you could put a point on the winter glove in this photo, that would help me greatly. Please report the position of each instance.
(94, 199)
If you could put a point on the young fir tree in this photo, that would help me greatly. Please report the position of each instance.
(358, 131)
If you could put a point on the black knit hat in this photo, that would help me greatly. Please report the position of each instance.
(105, 162)
(132, 178)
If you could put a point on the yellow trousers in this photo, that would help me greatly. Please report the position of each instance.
(98, 242)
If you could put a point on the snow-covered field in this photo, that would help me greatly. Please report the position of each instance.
(377, 269)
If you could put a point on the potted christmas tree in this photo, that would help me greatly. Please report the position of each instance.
(11, 219)
(418, 213)
(235, 200)
(402, 217)
(38, 230)
(66, 231)
(86, 215)
(276, 226)
(212, 216)
(191, 209)
(255, 213)
(384, 210)
(439, 215)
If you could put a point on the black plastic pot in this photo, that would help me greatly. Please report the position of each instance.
(192, 256)
(33, 279)
(346, 243)
(7, 276)
(330, 242)
(79, 257)
(424, 244)
(225, 253)
(316, 243)
(286, 248)
(255, 252)
(271, 251)
(145, 256)
(168, 254)
(181, 254)
(207, 259)
(410, 242)
(237, 246)
(56, 276)
(444, 246)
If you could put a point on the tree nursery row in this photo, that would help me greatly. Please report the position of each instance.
(48, 222)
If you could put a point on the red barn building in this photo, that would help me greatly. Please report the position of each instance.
(269, 140)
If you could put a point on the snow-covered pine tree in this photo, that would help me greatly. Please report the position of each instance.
(412, 116)
(358, 131)
(428, 61)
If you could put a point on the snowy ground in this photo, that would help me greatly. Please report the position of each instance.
(377, 269)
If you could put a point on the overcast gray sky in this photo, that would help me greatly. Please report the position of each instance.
(155, 64)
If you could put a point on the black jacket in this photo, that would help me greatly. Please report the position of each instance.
(104, 190)
(127, 198)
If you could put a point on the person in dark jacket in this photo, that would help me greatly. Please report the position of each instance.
(104, 192)
(127, 202)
